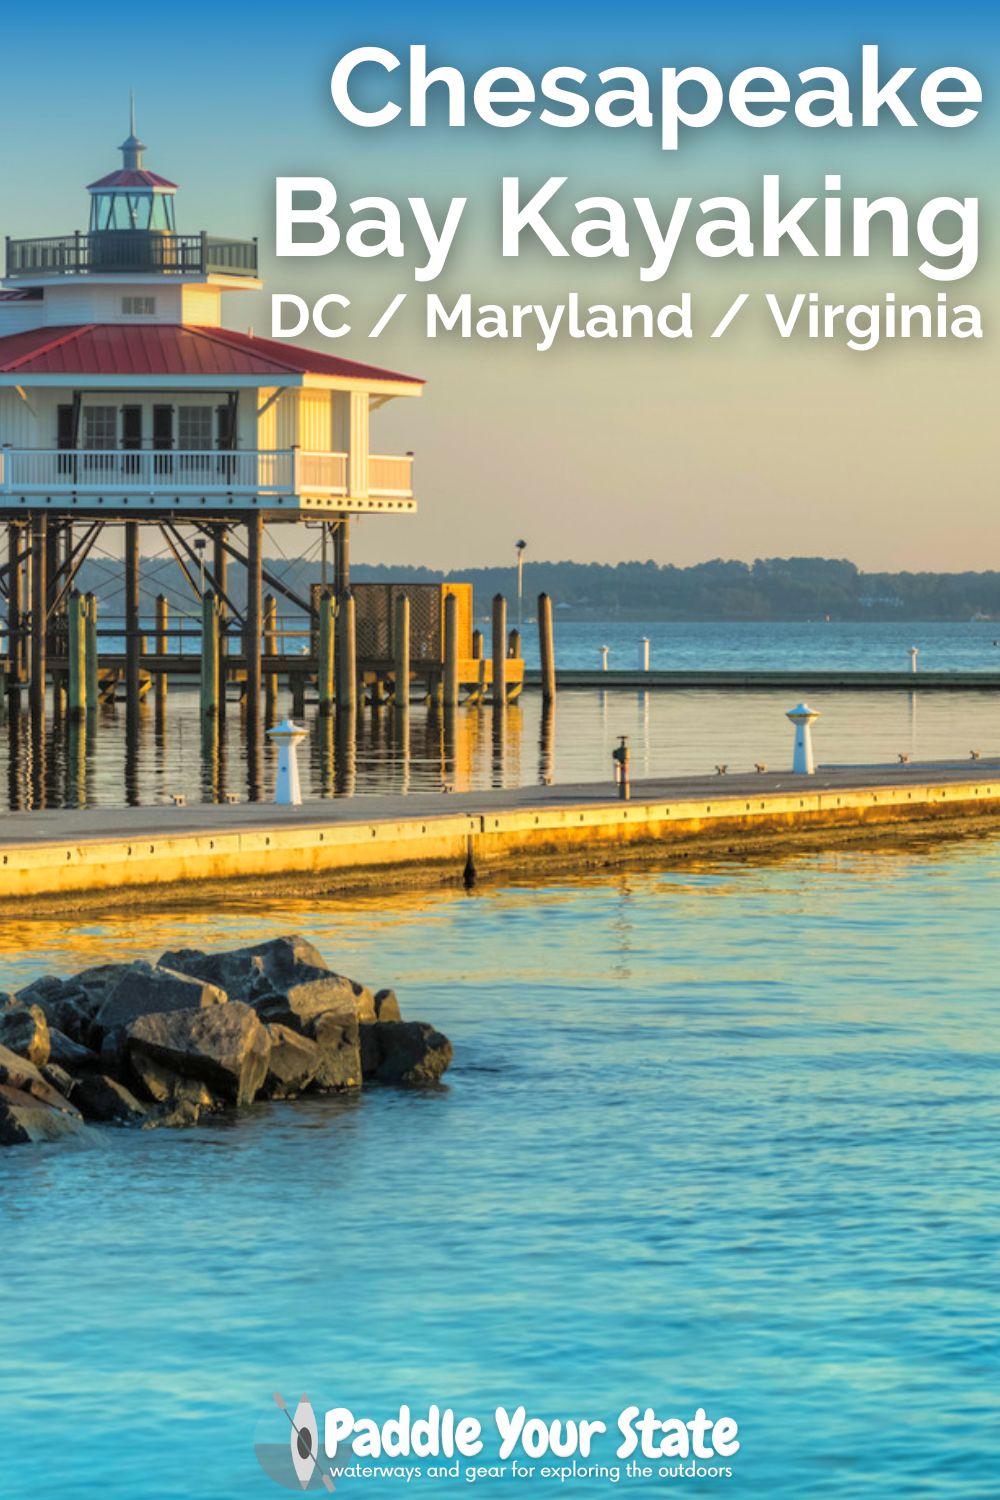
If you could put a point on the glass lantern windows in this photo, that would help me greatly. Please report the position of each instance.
(122, 209)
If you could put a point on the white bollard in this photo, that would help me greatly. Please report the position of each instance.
(802, 760)
(644, 654)
(287, 737)
(914, 653)
(604, 658)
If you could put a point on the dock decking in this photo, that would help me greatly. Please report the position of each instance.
(428, 839)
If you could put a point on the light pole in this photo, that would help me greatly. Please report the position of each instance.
(519, 548)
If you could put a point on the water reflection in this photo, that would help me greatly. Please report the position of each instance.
(113, 758)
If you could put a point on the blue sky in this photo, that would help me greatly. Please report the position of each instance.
(683, 445)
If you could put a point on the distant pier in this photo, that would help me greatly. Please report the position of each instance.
(427, 840)
(795, 682)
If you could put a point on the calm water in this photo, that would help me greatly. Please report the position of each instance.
(972, 646)
(670, 734)
(722, 1136)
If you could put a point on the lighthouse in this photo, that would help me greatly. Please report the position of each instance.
(127, 402)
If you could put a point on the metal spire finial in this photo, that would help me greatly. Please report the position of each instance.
(132, 148)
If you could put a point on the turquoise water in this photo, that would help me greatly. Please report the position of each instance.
(723, 1136)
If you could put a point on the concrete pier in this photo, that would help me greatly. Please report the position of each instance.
(791, 682)
(423, 840)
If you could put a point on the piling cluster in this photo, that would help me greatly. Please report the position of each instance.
(197, 1033)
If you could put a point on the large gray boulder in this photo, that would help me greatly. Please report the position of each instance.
(20, 1073)
(286, 979)
(24, 1030)
(299, 1005)
(223, 1046)
(294, 1063)
(245, 972)
(411, 1053)
(101, 1098)
(387, 1006)
(147, 989)
(70, 1005)
(24, 1118)
(169, 1090)
(65, 1053)
(338, 1038)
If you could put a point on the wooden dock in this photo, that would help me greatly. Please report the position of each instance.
(797, 683)
(420, 841)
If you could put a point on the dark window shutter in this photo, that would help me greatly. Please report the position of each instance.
(64, 427)
(163, 427)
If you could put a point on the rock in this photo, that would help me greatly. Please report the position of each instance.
(60, 1080)
(244, 972)
(294, 1064)
(411, 1053)
(223, 1046)
(101, 1098)
(387, 1006)
(69, 1005)
(19, 1073)
(65, 1053)
(146, 989)
(24, 1118)
(7, 1000)
(185, 1112)
(25, 1031)
(168, 1088)
(287, 981)
(338, 1039)
(299, 1005)
(371, 1052)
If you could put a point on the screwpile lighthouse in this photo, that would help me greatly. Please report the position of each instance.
(125, 402)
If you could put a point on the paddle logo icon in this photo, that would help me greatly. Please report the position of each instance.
(292, 1458)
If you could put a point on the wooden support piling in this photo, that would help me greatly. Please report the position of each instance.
(133, 640)
(252, 632)
(270, 650)
(342, 556)
(209, 656)
(347, 655)
(39, 596)
(77, 652)
(93, 663)
(514, 646)
(450, 651)
(546, 648)
(401, 651)
(15, 604)
(162, 639)
(220, 572)
(498, 647)
(297, 683)
(477, 645)
(327, 648)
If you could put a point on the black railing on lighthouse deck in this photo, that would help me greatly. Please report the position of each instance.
(138, 251)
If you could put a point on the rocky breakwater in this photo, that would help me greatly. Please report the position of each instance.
(195, 1033)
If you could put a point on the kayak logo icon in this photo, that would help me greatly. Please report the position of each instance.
(292, 1457)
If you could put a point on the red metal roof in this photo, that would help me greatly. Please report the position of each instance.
(138, 177)
(170, 349)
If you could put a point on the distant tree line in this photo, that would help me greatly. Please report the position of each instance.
(792, 588)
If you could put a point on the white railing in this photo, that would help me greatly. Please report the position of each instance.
(390, 476)
(287, 471)
(107, 471)
(320, 473)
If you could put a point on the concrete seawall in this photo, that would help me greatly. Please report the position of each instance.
(127, 855)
